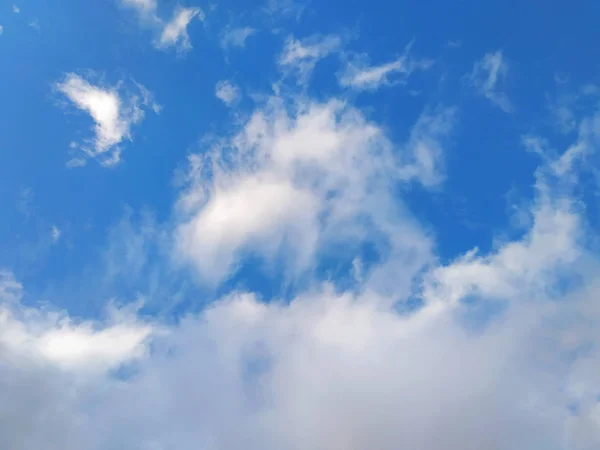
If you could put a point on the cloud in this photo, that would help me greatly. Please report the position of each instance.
(285, 8)
(425, 149)
(236, 37)
(16, 9)
(501, 354)
(360, 75)
(172, 33)
(227, 92)
(299, 57)
(175, 33)
(297, 180)
(55, 232)
(487, 76)
(52, 337)
(1, 30)
(114, 111)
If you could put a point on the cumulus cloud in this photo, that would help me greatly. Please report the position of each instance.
(236, 37)
(171, 33)
(227, 92)
(299, 57)
(297, 179)
(331, 368)
(114, 111)
(359, 74)
(487, 77)
(52, 337)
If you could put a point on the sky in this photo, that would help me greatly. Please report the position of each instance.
(293, 224)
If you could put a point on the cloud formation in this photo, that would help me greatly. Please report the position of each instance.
(487, 77)
(298, 179)
(236, 37)
(171, 33)
(359, 74)
(227, 92)
(174, 33)
(114, 111)
(299, 57)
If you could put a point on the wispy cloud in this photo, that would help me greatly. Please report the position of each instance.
(487, 77)
(286, 8)
(172, 33)
(360, 75)
(16, 9)
(114, 111)
(299, 57)
(236, 37)
(227, 92)
(55, 232)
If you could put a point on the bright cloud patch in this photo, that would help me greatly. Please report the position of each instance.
(54, 338)
(113, 111)
(302, 179)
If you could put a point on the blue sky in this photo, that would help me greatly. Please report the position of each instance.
(209, 209)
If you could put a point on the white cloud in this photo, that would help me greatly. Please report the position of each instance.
(1, 30)
(227, 92)
(54, 338)
(285, 8)
(328, 368)
(113, 110)
(174, 33)
(301, 56)
(297, 179)
(487, 76)
(360, 75)
(55, 232)
(236, 37)
(16, 9)
(503, 354)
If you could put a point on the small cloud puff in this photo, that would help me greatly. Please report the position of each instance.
(114, 111)
(227, 92)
